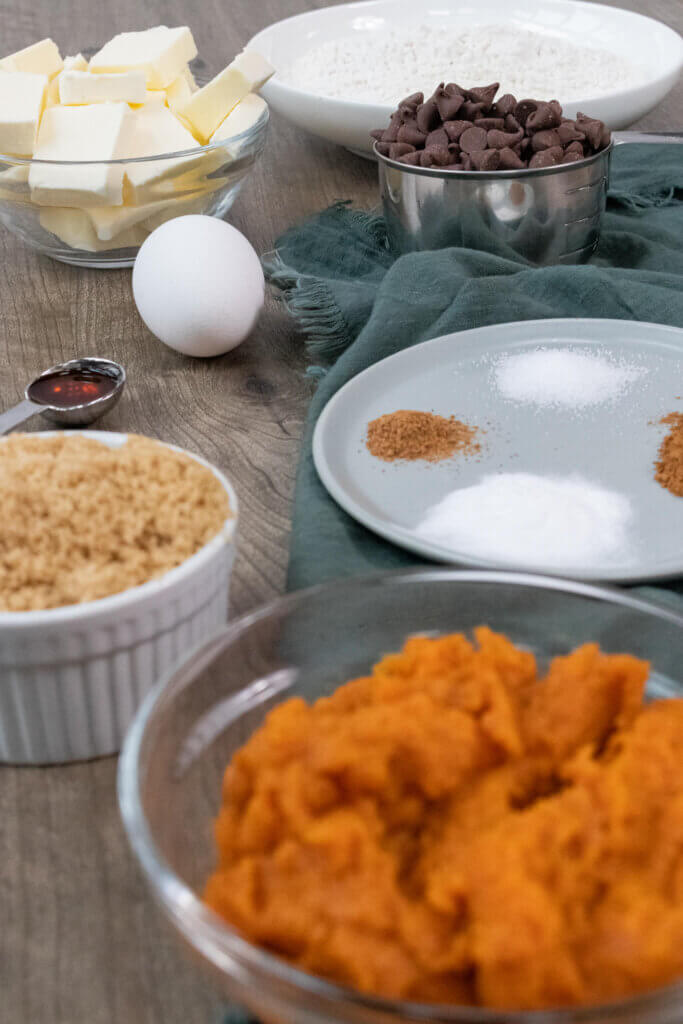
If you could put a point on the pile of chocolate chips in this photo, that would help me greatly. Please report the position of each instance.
(469, 130)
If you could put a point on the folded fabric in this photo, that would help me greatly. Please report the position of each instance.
(357, 302)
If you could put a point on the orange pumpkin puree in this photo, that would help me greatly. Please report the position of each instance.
(454, 828)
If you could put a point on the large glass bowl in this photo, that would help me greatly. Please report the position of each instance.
(204, 179)
(186, 731)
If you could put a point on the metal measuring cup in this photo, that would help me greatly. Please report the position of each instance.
(546, 215)
(77, 414)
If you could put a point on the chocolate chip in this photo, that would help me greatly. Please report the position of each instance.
(592, 129)
(466, 162)
(570, 158)
(454, 129)
(448, 99)
(471, 110)
(414, 100)
(523, 109)
(454, 150)
(413, 159)
(435, 156)
(575, 147)
(500, 140)
(505, 105)
(545, 139)
(489, 123)
(545, 116)
(427, 116)
(377, 134)
(509, 161)
(568, 132)
(437, 138)
(484, 94)
(485, 160)
(383, 148)
(399, 149)
(453, 167)
(473, 140)
(412, 135)
(390, 134)
(547, 157)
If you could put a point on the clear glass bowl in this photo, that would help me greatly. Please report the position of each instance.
(173, 760)
(204, 179)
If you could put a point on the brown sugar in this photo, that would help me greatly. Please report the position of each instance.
(81, 521)
(669, 467)
(408, 434)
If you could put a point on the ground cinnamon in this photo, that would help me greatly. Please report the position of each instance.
(412, 435)
(669, 468)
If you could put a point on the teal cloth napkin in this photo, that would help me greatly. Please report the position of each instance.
(357, 302)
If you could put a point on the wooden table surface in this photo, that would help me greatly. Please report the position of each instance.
(80, 941)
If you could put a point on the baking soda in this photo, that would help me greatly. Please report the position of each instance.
(385, 66)
(563, 377)
(524, 519)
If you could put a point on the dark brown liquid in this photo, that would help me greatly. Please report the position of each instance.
(68, 388)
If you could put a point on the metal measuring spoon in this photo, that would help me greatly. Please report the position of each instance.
(71, 394)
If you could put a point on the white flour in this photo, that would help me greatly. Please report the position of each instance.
(524, 519)
(383, 67)
(563, 377)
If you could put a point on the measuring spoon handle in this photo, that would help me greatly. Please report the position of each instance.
(620, 137)
(19, 414)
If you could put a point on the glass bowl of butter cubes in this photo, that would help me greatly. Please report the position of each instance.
(94, 155)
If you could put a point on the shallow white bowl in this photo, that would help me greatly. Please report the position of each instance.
(634, 37)
(72, 678)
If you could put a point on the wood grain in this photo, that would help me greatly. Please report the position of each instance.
(80, 941)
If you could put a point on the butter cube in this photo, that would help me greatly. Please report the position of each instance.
(40, 59)
(209, 107)
(155, 131)
(80, 87)
(157, 96)
(243, 117)
(22, 98)
(110, 222)
(254, 67)
(180, 91)
(160, 52)
(97, 132)
(75, 229)
(77, 63)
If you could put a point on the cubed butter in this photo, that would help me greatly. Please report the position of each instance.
(155, 131)
(160, 52)
(110, 222)
(76, 63)
(97, 132)
(254, 67)
(243, 117)
(180, 91)
(22, 98)
(208, 107)
(41, 58)
(74, 227)
(80, 87)
(157, 96)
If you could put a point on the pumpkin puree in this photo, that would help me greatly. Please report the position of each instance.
(453, 829)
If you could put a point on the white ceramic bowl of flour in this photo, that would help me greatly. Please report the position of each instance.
(342, 70)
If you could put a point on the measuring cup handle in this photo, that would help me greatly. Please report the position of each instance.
(619, 138)
(18, 414)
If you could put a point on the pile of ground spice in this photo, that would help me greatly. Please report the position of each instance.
(669, 467)
(408, 434)
(81, 521)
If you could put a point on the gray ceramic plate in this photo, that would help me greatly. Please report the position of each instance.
(612, 443)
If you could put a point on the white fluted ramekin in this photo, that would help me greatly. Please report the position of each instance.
(72, 678)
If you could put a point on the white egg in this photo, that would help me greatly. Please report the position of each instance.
(198, 285)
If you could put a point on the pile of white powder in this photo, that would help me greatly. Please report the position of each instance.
(563, 377)
(383, 67)
(524, 519)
